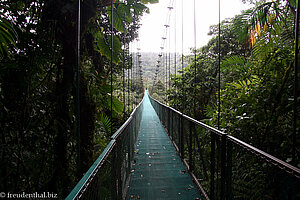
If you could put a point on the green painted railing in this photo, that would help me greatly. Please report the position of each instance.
(107, 178)
(225, 167)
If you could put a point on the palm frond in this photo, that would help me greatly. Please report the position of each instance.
(8, 36)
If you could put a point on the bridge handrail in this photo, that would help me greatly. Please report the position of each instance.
(220, 148)
(88, 176)
(81, 187)
(269, 158)
(214, 130)
(275, 161)
(119, 131)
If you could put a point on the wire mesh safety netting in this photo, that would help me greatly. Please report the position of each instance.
(225, 167)
(107, 177)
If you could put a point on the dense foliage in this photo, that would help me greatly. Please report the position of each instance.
(257, 59)
(37, 87)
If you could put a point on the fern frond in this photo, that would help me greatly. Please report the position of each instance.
(106, 122)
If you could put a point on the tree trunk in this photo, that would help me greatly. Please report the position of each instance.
(87, 127)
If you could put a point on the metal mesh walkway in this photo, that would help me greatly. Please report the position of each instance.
(158, 172)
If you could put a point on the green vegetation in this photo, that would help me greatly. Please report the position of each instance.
(37, 87)
(38, 90)
(257, 58)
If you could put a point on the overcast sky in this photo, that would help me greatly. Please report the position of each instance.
(153, 24)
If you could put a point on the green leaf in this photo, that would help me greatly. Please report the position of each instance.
(117, 105)
(105, 89)
(102, 45)
(139, 8)
(122, 14)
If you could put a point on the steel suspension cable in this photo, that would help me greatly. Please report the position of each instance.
(134, 57)
(219, 66)
(128, 84)
(77, 109)
(169, 58)
(131, 86)
(124, 65)
(169, 39)
(166, 71)
(219, 95)
(128, 50)
(175, 47)
(111, 66)
(195, 58)
(182, 56)
(124, 97)
(130, 61)
(128, 78)
(295, 84)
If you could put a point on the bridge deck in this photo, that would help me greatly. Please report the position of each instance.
(158, 172)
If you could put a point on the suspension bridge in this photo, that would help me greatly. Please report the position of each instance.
(161, 153)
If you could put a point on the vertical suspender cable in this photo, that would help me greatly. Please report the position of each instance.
(169, 39)
(169, 22)
(169, 58)
(166, 78)
(128, 77)
(134, 84)
(111, 65)
(175, 46)
(219, 95)
(124, 43)
(128, 83)
(131, 88)
(131, 64)
(195, 58)
(134, 75)
(182, 56)
(127, 73)
(295, 83)
(219, 66)
(166, 43)
(124, 106)
(78, 88)
(128, 93)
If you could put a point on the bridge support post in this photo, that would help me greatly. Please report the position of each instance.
(212, 165)
(181, 137)
(171, 126)
(160, 112)
(192, 130)
(114, 191)
(223, 167)
(168, 123)
(229, 170)
(117, 171)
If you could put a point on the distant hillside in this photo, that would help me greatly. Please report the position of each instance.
(149, 62)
